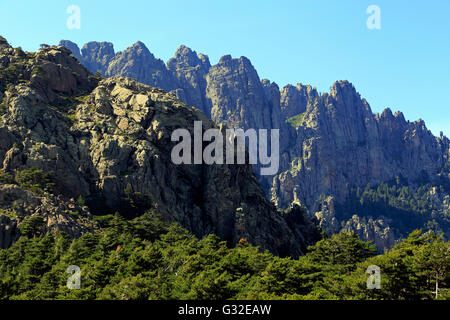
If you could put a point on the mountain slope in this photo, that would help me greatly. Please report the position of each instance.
(109, 142)
(331, 143)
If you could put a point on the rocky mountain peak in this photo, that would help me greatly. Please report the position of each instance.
(329, 141)
(51, 71)
(139, 44)
(387, 113)
(233, 65)
(237, 96)
(187, 58)
(295, 100)
(73, 47)
(272, 93)
(187, 55)
(139, 49)
(306, 88)
(112, 145)
(399, 115)
(344, 93)
(392, 123)
(4, 43)
(205, 59)
(97, 55)
(225, 59)
(138, 62)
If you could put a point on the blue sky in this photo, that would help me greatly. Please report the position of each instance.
(404, 66)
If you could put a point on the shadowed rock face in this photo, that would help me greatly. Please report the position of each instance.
(58, 213)
(8, 232)
(333, 140)
(294, 100)
(341, 142)
(110, 142)
(98, 56)
(137, 62)
(230, 92)
(73, 47)
(190, 71)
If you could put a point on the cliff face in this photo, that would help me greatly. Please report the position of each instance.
(340, 142)
(329, 142)
(190, 70)
(139, 63)
(230, 92)
(109, 142)
(294, 100)
(95, 56)
(236, 94)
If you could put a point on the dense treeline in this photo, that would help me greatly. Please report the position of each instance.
(145, 258)
(425, 207)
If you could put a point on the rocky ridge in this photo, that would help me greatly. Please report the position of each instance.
(330, 142)
(108, 142)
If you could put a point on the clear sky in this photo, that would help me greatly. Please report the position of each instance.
(405, 65)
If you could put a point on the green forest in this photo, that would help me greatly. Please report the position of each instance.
(147, 258)
(426, 206)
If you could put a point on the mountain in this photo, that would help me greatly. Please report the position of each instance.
(341, 145)
(66, 134)
(331, 144)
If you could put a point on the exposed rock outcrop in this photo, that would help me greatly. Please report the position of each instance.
(329, 142)
(97, 56)
(17, 205)
(341, 143)
(294, 100)
(369, 229)
(112, 145)
(139, 63)
(190, 70)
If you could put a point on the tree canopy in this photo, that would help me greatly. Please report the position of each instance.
(147, 258)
